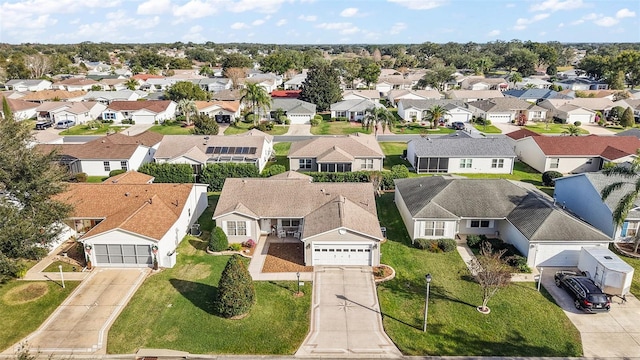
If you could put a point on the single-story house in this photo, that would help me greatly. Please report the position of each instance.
(141, 112)
(581, 194)
(460, 153)
(107, 97)
(416, 109)
(505, 110)
(112, 152)
(213, 84)
(80, 112)
(117, 84)
(297, 111)
(221, 111)
(531, 83)
(336, 154)
(482, 83)
(28, 85)
(473, 95)
(575, 154)
(353, 110)
(128, 224)
(582, 83)
(254, 147)
(588, 107)
(336, 223)
(21, 109)
(295, 83)
(439, 207)
(534, 95)
(373, 95)
(396, 95)
(54, 95)
(75, 84)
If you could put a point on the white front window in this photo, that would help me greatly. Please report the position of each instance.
(555, 162)
(236, 228)
(367, 164)
(497, 163)
(434, 228)
(465, 163)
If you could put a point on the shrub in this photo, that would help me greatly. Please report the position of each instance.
(168, 172)
(264, 126)
(274, 170)
(218, 240)
(235, 294)
(430, 245)
(251, 117)
(473, 241)
(117, 172)
(249, 244)
(400, 172)
(421, 243)
(215, 174)
(519, 262)
(548, 177)
(577, 123)
(10, 268)
(81, 177)
(315, 121)
(235, 246)
(447, 245)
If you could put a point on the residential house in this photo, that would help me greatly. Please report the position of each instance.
(396, 95)
(507, 110)
(630, 132)
(289, 94)
(75, 84)
(129, 224)
(336, 223)
(113, 84)
(353, 110)
(28, 85)
(227, 95)
(54, 95)
(416, 110)
(575, 154)
(80, 112)
(269, 82)
(221, 111)
(462, 154)
(155, 84)
(253, 147)
(107, 97)
(372, 95)
(580, 109)
(21, 109)
(473, 95)
(295, 83)
(530, 83)
(634, 104)
(482, 83)
(102, 155)
(582, 83)
(140, 112)
(297, 111)
(534, 95)
(440, 207)
(336, 154)
(581, 194)
(396, 82)
(213, 84)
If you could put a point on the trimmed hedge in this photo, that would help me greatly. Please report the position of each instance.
(216, 174)
(435, 245)
(168, 173)
(274, 170)
(218, 240)
(548, 177)
(397, 172)
(117, 172)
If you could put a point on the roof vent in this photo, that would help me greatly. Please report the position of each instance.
(126, 194)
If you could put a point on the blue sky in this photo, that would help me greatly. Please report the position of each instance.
(318, 21)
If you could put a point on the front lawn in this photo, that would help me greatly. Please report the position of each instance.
(417, 128)
(25, 305)
(85, 130)
(241, 127)
(522, 322)
(488, 129)
(542, 128)
(171, 128)
(338, 128)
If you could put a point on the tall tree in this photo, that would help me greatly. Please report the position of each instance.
(491, 272)
(434, 114)
(370, 73)
(31, 211)
(377, 116)
(187, 107)
(437, 77)
(131, 84)
(256, 97)
(235, 74)
(522, 60)
(186, 90)
(236, 60)
(626, 119)
(322, 86)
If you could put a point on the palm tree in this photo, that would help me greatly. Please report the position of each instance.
(627, 201)
(572, 130)
(256, 97)
(435, 113)
(516, 77)
(187, 107)
(377, 116)
(131, 84)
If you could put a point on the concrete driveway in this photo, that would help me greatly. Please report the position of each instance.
(345, 316)
(80, 324)
(605, 335)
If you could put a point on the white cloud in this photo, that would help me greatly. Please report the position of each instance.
(349, 12)
(194, 9)
(265, 6)
(194, 34)
(493, 33)
(398, 28)
(557, 5)
(522, 23)
(257, 22)
(606, 21)
(307, 17)
(561, 25)
(281, 22)
(333, 26)
(625, 13)
(39, 14)
(420, 4)
(591, 16)
(239, 26)
(153, 7)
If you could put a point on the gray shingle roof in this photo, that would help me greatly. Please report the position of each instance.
(507, 104)
(424, 104)
(354, 105)
(463, 146)
(293, 106)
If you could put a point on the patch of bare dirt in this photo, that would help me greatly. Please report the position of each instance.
(287, 257)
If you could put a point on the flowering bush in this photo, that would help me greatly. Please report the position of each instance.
(249, 244)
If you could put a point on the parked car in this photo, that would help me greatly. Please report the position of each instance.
(457, 125)
(41, 125)
(587, 296)
(65, 124)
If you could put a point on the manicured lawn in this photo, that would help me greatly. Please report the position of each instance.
(66, 267)
(281, 151)
(25, 305)
(85, 130)
(172, 128)
(173, 310)
(522, 322)
(338, 128)
(96, 179)
(240, 127)
(206, 222)
(416, 128)
(521, 172)
(489, 129)
(542, 128)
(393, 152)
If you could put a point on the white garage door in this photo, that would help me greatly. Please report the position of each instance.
(342, 254)
(499, 118)
(120, 254)
(462, 117)
(583, 118)
(557, 255)
(143, 119)
(299, 119)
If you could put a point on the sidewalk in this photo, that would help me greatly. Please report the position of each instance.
(36, 272)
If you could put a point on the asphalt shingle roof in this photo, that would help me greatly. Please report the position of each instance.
(354, 145)
(463, 146)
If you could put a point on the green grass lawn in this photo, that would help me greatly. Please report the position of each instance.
(96, 179)
(66, 267)
(392, 154)
(281, 150)
(240, 127)
(489, 129)
(521, 172)
(338, 128)
(206, 222)
(25, 305)
(173, 310)
(85, 130)
(171, 128)
(542, 128)
(522, 322)
(416, 128)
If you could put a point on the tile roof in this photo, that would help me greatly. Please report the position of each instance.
(293, 94)
(231, 106)
(155, 106)
(591, 145)
(355, 145)
(463, 146)
(146, 209)
(532, 213)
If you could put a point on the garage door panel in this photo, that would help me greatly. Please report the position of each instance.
(558, 255)
(330, 254)
(125, 254)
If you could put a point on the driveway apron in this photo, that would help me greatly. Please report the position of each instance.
(615, 334)
(345, 316)
(80, 324)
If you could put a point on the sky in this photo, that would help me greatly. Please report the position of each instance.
(318, 21)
